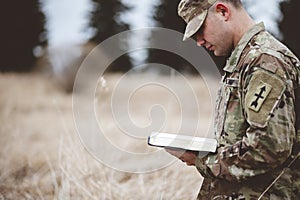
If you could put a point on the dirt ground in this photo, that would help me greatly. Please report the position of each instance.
(42, 157)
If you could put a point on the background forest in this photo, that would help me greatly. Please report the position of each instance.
(25, 34)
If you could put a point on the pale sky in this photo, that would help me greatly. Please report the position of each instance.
(67, 21)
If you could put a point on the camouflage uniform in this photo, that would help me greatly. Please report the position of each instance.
(255, 123)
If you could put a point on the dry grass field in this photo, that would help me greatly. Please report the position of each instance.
(41, 156)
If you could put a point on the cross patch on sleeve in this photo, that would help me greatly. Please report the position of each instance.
(259, 97)
(263, 93)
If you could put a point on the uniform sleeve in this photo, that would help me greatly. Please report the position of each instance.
(268, 105)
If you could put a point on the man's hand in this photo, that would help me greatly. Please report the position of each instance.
(188, 157)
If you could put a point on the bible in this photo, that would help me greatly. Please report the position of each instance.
(191, 143)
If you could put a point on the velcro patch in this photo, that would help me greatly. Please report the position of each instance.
(259, 97)
(264, 92)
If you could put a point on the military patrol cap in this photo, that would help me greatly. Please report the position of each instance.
(193, 12)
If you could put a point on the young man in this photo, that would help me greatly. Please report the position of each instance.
(255, 119)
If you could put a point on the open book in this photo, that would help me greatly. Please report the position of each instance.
(182, 142)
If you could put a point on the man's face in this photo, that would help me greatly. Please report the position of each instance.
(214, 35)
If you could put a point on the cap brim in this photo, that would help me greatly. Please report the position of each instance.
(194, 25)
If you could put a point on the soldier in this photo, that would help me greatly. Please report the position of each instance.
(255, 119)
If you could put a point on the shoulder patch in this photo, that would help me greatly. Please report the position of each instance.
(260, 95)
(263, 95)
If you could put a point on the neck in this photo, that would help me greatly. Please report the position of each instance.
(243, 23)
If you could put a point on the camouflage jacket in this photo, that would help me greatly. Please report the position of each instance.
(255, 123)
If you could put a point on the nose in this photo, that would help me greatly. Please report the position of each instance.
(200, 40)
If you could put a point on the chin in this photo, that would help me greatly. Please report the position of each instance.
(218, 53)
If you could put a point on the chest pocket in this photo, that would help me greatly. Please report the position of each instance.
(229, 122)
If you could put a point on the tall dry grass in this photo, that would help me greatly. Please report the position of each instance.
(41, 156)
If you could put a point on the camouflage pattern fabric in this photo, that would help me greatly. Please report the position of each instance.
(255, 123)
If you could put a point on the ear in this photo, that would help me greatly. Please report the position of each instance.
(223, 10)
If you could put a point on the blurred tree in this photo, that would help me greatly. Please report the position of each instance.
(22, 32)
(166, 16)
(106, 22)
(289, 23)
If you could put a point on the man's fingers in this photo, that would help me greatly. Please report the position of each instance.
(185, 156)
(176, 153)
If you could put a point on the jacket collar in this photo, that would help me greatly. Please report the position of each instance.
(234, 58)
